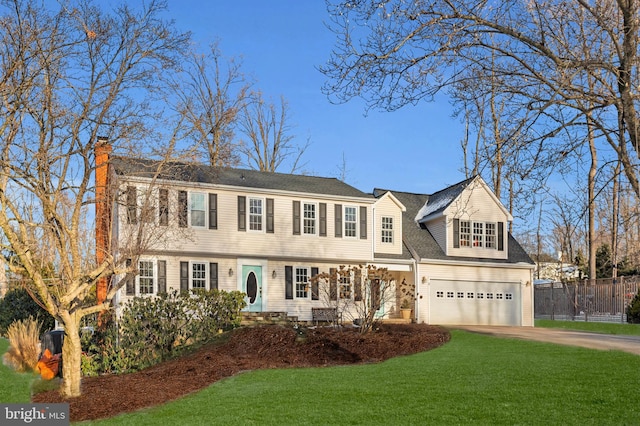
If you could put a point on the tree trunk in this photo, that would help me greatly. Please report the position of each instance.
(71, 361)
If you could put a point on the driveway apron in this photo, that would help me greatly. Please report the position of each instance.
(583, 339)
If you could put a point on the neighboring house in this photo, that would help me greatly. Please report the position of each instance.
(557, 271)
(266, 234)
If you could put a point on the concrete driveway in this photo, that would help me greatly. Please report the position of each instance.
(605, 342)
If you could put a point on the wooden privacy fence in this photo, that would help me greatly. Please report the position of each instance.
(604, 300)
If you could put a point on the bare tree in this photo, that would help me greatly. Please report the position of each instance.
(396, 53)
(67, 75)
(358, 293)
(212, 96)
(268, 142)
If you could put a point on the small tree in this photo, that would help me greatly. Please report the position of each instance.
(633, 310)
(69, 73)
(19, 305)
(359, 293)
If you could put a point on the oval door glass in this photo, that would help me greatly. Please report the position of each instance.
(252, 288)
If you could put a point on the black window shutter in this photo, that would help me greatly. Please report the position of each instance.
(363, 223)
(315, 293)
(184, 276)
(213, 211)
(131, 281)
(296, 218)
(182, 209)
(288, 282)
(456, 233)
(501, 236)
(132, 205)
(270, 214)
(162, 276)
(357, 286)
(163, 204)
(338, 220)
(242, 213)
(333, 284)
(323, 220)
(213, 276)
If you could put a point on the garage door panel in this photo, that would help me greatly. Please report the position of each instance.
(474, 303)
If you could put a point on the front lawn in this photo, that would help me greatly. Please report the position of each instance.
(14, 387)
(474, 379)
(596, 327)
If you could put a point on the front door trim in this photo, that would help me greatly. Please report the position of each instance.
(262, 281)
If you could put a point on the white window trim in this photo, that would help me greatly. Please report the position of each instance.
(344, 222)
(206, 274)
(154, 269)
(316, 221)
(189, 209)
(295, 282)
(494, 236)
(391, 230)
(351, 286)
(263, 207)
(483, 235)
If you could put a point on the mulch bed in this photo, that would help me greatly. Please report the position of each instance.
(249, 348)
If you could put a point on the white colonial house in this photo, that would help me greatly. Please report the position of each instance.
(267, 234)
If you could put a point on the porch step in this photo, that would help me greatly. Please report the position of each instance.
(397, 321)
(254, 318)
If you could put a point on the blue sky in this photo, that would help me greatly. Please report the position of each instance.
(281, 43)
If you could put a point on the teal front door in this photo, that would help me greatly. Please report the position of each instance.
(252, 287)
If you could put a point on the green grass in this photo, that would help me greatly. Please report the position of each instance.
(474, 379)
(14, 387)
(596, 327)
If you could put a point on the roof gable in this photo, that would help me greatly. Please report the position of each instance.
(389, 195)
(438, 203)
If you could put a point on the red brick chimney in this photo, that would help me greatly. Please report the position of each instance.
(103, 211)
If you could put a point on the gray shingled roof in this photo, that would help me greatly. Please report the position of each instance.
(441, 199)
(191, 172)
(420, 240)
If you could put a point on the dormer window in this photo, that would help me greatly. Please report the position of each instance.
(487, 235)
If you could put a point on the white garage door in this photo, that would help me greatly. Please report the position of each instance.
(474, 303)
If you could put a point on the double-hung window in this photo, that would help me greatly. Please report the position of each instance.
(478, 234)
(199, 275)
(255, 214)
(198, 209)
(146, 277)
(387, 229)
(309, 218)
(302, 282)
(465, 233)
(344, 286)
(490, 235)
(350, 222)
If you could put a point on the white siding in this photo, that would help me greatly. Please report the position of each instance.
(386, 207)
(475, 205)
(438, 228)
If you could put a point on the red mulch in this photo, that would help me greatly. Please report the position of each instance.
(248, 348)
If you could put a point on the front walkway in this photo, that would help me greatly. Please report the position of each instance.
(558, 336)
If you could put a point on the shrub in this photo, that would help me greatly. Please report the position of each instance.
(17, 304)
(101, 353)
(153, 329)
(24, 349)
(633, 310)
